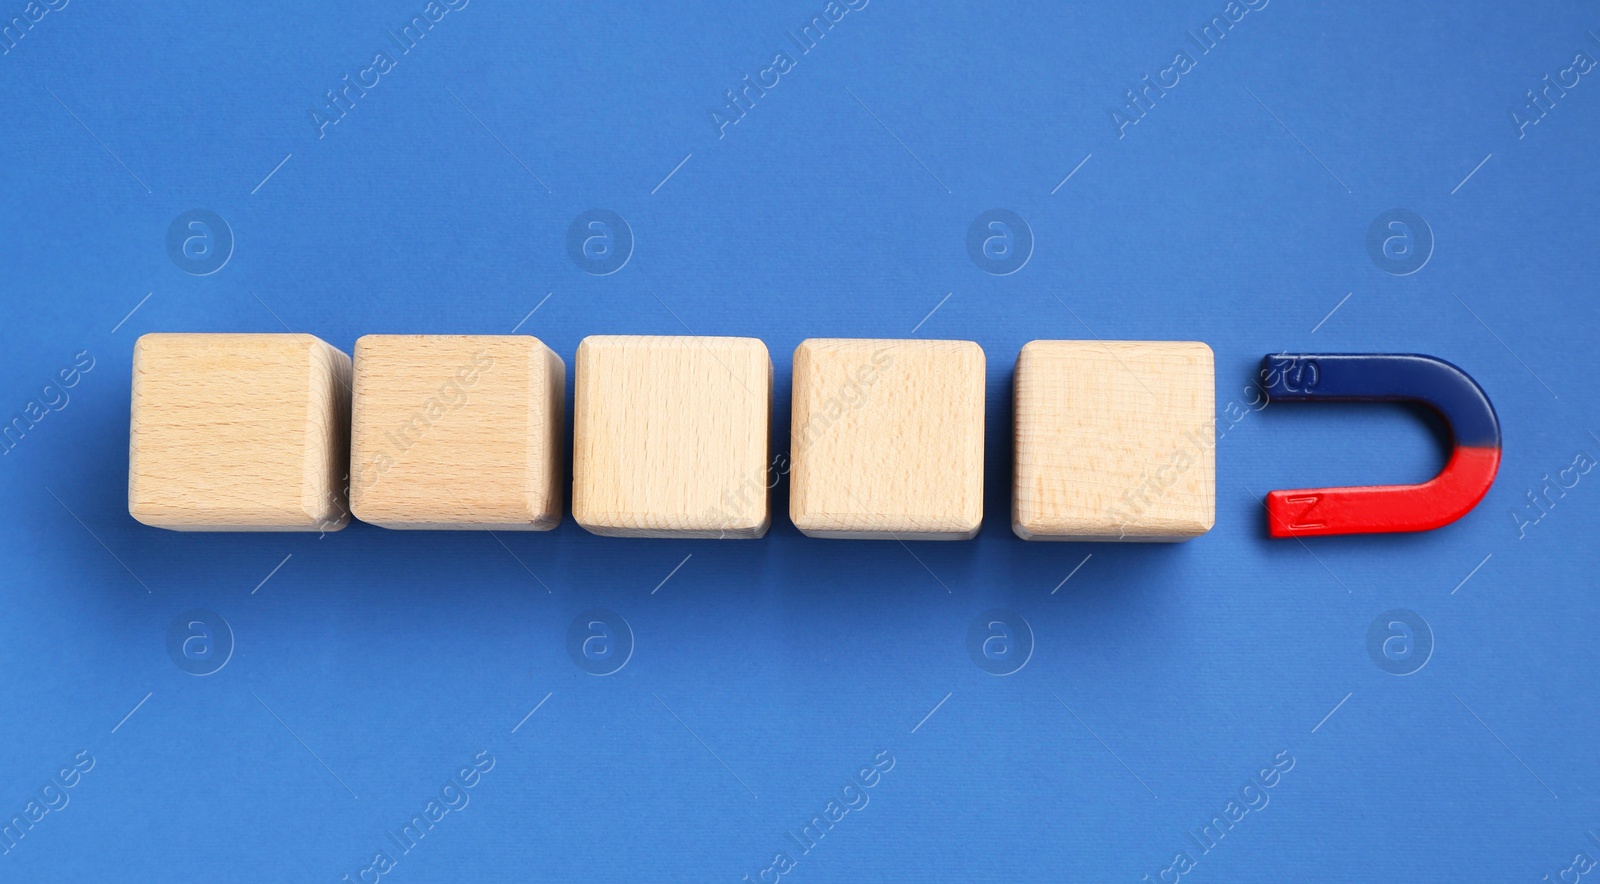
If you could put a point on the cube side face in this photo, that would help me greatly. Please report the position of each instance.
(456, 432)
(326, 494)
(887, 439)
(238, 432)
(670, 436)
(548, 461)
(1114, 441)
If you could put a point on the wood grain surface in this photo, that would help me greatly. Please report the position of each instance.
(1114, 440)
(458, 432)
(239, 432)
(670, 436)
(887, 439)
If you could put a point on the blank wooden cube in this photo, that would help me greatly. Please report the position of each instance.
(670, 436)
(1114, 441)
(887, 439)
(457, 432)
(239, 432)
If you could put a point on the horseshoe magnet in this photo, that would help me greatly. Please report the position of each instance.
(1385, 377)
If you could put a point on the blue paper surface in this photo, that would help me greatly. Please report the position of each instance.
(1227, 709)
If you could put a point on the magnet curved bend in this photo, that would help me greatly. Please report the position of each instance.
(1386, 377)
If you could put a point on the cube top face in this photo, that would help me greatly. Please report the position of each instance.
(670, 436)
(887, 439)
(239, 432)
(1115, 440)
(457, 432)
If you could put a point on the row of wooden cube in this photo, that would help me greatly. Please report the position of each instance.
(268, 432)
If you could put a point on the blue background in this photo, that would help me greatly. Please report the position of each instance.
(374, 664)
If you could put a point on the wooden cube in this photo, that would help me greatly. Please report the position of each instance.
(1115, 440)
(458, 432)
(670, 436)
(887, 439)
(239, 432)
